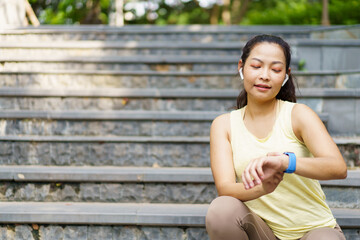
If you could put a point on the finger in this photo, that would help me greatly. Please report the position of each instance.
(255, 179)
(247, 179)
(255, 168)
(260, 170)
(247, 176)
(244, 180)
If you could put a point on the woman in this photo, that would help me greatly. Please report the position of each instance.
(267, 156)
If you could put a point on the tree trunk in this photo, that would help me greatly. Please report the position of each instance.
(31, 14)
(239, 8)
(93, 14)
(226, 15)
(325, 13)
(119, 15)
(214, 17)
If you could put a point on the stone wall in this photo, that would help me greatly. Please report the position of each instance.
(56, 232)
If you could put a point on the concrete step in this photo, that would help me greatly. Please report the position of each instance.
(95, 232)
(134, 63)
(204, 33)
(104, 213)
(141, 127)
(146, 33)
(176, 221)
(109, 123)
(116, 48)
(137, 185)
(333, 112)
(150, 99)
(125, 151)
(105, 151)
(107, 184)
(90, 79)
(315, 54)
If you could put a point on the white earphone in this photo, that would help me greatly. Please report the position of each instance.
(285, 80)
(241, 74)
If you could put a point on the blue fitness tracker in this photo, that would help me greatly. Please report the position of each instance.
(292, 162)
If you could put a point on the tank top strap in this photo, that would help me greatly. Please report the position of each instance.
(285, 118)
(236, 125)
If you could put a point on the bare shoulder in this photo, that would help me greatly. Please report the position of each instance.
(221, 123)
(302, 114)
(222, 120)
(305, 119)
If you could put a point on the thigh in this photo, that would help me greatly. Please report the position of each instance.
(325, 234)
(232, 219)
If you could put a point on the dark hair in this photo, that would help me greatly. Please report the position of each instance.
(287, 92)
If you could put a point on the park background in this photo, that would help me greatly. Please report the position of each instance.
(223, 12)
(106, 107)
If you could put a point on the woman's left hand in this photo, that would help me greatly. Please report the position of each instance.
(263, 168)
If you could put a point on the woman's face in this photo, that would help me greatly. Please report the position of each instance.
(264, 71)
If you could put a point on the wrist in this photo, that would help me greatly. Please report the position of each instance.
(285, 162)
(292, 162)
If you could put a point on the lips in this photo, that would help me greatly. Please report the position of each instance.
(262, 86)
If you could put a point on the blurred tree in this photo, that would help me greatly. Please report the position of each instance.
(238, 10)
(117, 15)
(325, 13)
(161, 12)
(72, 11)
(344, 11)
(302, 12)
(214, 14)
(226, 15)
(284, 12)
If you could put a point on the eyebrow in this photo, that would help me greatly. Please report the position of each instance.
(274, 62)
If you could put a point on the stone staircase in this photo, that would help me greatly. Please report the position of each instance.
(105, 131)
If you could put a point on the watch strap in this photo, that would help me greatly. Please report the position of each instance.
(292, 162)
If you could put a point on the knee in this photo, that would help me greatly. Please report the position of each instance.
(324, 234)
(224, 210)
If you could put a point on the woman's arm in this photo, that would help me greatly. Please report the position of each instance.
(328, 162)
(223, 168)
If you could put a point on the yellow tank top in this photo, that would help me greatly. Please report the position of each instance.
(298, 204)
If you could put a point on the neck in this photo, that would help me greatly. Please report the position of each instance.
(257, 109)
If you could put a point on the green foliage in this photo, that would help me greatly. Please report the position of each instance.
(344, 12)
(302, 12)
(185, 12)
(285, 13)
(71, 11)
(262, 12)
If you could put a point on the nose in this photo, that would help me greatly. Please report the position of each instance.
(264, 75)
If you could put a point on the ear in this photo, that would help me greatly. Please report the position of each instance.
(240, 65)
(240, 69)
